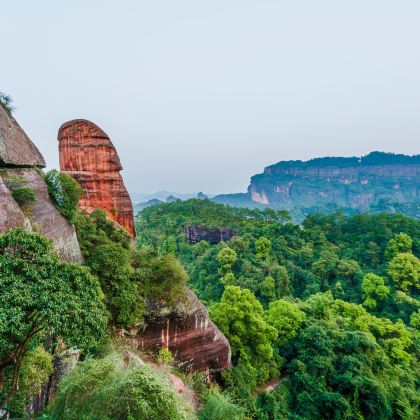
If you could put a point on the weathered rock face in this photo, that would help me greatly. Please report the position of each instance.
(346, 182)
(195, 342)
(16, 149)
(88, 155)
(41, 215)
(214, 236)
(19, 162)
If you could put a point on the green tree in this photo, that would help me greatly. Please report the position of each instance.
(226, 258)
(404, 269)
(111, 263)
(169, 245)
(400, 243)
(286, 318)
(40, 295)
(373, 290)
(262, 247)
(240, 317)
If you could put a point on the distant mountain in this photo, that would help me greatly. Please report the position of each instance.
(139, 197)
(139, 206)
(375, 182)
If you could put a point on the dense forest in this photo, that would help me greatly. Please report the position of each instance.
(322, 318)
(327, 313)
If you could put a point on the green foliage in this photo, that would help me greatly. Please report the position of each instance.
(65, 193)
(111, 263)
(21, 193)
(127, 276)
(240, 317)
(23, 196)
(38, 294)
(373, 290)
(160, 277)
(262, 247)
(286, 318)
(6, 102)
(404, 269)
(107, 388)
(219, 406)
(165, 356)
(335, 358)
(226, 258)
(36, 367)
(400, 243)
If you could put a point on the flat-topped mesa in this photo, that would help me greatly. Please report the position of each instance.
(16, 149)
(88, 155)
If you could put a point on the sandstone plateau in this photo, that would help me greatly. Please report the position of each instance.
(20, 161)
(88, 155)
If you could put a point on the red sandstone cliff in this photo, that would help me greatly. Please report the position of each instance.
(88, 155)
(187, 331)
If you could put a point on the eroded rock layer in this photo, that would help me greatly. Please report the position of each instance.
(187, 331)
(88, 155)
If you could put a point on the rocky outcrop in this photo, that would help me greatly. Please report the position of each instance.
(196, 234)
(187, 331)
(88, 155)
(16, 149)
(19, 168)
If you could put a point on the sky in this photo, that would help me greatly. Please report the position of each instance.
(201, 95)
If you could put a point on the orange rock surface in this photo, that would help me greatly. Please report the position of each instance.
(88, 155)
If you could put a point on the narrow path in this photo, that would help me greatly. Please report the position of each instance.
(269, 386)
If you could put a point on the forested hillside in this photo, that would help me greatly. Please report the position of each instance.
(327, 311)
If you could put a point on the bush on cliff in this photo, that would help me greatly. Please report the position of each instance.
(65, 193)
(108, 388)
(127, 275)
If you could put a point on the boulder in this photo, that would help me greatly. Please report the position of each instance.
(88, 155)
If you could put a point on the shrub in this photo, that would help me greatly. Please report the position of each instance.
(36, 368)
(6, 102)
(65, 193)
(23, 196)
(108, 389)
(219, 406)
(165, 356)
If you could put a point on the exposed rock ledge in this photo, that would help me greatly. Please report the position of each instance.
(187, 331)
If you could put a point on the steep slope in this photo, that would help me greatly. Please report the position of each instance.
(20, 161)
(88, 155)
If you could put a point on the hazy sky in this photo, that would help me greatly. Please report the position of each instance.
(200, 95)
